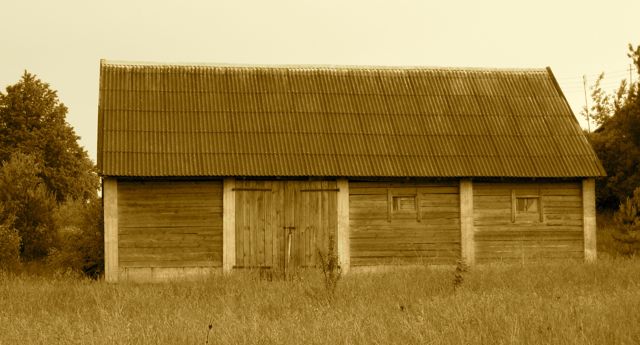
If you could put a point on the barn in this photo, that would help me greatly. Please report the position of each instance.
(216, 168)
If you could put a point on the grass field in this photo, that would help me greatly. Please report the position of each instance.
(550, 303)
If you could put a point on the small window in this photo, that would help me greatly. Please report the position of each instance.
(526, 205)
(404, 203)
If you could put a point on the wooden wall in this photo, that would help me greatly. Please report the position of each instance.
(169, 224)
(267, 212)
(379, 236)
(178, 224)
(498, 236)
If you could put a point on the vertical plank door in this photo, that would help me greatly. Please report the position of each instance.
(283, 224)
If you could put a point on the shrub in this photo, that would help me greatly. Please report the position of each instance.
(627, 225)
(80, 234)
(458, 276)
(9, 245)
(330, 265)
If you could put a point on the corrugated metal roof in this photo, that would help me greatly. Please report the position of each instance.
(223, 120)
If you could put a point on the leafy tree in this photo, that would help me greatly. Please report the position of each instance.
(44, 175)
(604, 105)
(32, 121)
(27, 205)
(617, 140)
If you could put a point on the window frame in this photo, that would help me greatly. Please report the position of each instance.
(514, 205)
(399, 193)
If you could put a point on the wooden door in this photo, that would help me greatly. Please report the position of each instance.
(282, 224)
(315, 219)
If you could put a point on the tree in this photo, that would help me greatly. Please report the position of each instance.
(45, 173)
(27, 205)
(604, 104)
(617, 140)
(32, 121)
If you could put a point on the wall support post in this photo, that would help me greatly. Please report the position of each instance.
(589, 218)
(110, 203)
(467, 242)
(342, 240)
(228, 224)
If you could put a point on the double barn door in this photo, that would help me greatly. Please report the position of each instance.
(283, 224)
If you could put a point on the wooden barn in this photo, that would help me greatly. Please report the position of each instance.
(217, 167)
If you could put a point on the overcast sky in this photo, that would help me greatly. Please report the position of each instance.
(62, 42)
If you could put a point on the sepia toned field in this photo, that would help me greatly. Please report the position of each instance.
(546, 303)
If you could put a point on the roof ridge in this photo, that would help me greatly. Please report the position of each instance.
(125, 63)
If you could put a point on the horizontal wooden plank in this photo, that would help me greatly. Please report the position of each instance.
(566, 216)
(404, 235)
(368, 207)
(550, 199)
(561, 192)
(379, 231)
(170, 213)
(145, 231)
(402, 223)
(168, 250)
(402, 241)
(380, 261)
(376, 184)
(548, 210)
(178, 220)
(527, 248)
(171, 263)
(169, 205)
(148, 238)
(169, 186)
(546, 254)
(561, 241)
(577, 185)
(363, 192)
(186, 244)
(564, 222)
(144, 254)
(440, 202)
(481, 207)
(183, 197)
(176, 211)
(533, 230)
(405, 253)
(492, 198)
(441, 209)
(358, 246)
(506, 223)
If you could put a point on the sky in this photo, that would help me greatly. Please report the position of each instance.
(63, 41)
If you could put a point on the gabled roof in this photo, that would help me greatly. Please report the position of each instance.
(223, 120)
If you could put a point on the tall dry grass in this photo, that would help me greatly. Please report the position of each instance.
(546, 303)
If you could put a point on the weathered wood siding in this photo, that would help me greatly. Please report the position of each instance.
(267, 212)
(170, 224)
(498, 236)
(379, 236)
